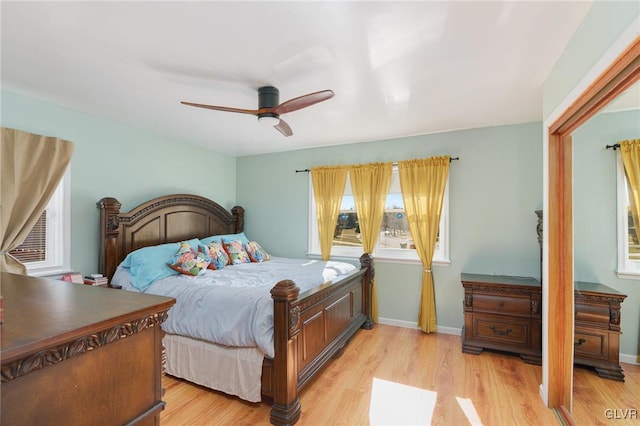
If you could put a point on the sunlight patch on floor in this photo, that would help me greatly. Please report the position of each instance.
(398, 404)
(469, 410)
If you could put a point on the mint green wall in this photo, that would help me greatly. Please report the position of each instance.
(595, 213)
(602, 26)
(110, 159)
(495, 188)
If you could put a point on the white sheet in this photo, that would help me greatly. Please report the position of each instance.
(233, 306)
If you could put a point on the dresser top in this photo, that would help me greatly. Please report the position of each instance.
(586, 287)
(39, 312)
(499, 280)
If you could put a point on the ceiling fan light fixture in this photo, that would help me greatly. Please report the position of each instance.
(269, 120)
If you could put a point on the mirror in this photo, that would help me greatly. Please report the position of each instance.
(595, 216)
(620, 75)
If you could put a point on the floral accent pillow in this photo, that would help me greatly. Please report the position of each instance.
(236, 252)
(188, 261)
(217, 254)
(256, 252)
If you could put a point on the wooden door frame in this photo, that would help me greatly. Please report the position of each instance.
(619, 76)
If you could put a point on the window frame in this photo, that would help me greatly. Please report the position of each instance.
(58, 251)
(627, 268)
(410, 256)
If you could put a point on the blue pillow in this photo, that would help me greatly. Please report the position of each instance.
(149, 264)
(228, 237)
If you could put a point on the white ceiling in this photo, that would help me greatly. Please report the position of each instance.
(397, 68)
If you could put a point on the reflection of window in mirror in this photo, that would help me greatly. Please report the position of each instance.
(628, 242)
(626, 104)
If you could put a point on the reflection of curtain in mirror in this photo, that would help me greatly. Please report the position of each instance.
(32, 167)
(423, 182)
(370, 184)
(328, 188)
(630, 153)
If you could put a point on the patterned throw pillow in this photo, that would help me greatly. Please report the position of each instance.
(236, 251)
(256, 252)
(188, 261)
(217, 254)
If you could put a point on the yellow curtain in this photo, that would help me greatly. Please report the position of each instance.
(32, 167)
(370, 185)
(328, 189)
(630, 153)
(423, 183)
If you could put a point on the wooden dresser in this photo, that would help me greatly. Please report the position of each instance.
(597, 328)
(80, 355)
(502, 313)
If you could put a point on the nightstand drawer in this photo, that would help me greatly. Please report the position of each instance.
(591, 345)
(494, 330)
(496, 304)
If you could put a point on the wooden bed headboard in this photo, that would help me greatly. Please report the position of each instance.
(166, 219)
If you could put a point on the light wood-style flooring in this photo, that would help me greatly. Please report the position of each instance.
(503, 389)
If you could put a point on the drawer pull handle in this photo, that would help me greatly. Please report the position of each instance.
(579, 342)
(501, 333)
(500, 304)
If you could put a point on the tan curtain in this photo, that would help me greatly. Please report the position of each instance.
(370, 185)
(32, 167)
(423, 182)
(630, 153)
(328, 189)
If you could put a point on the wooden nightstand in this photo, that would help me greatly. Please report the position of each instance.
(597, 328)
(502, 313)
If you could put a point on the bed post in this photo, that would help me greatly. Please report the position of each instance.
(366, 261)
(238, 215)
(286, 405)
(109, 233)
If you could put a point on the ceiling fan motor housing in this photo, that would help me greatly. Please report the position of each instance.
(268, 97)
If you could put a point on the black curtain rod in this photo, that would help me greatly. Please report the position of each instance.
(614, 146)
(395, 164)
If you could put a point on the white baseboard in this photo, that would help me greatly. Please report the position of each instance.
(450, 330)
(543, 395)
(629, 359)
(398, 323)
(414, 325)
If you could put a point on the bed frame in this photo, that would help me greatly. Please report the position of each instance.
(309, 328)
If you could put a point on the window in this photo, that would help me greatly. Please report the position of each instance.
(628, 240)
(394, 241)
(46, 248)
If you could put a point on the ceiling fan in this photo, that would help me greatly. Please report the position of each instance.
(269, 108)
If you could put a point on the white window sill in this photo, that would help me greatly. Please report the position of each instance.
(628, 275)
(53, 273)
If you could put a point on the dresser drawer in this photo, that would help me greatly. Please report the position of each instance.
(499, 330)
(590, 344)
(498, 304)
(592, 313)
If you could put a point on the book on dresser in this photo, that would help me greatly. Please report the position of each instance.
(96, 279)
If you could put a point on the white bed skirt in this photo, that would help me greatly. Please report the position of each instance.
(235, 371)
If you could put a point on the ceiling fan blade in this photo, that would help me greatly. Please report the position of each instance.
(303, 101)
(221, 108)
(284, 128)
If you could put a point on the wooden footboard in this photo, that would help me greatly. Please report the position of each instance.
(309, 328)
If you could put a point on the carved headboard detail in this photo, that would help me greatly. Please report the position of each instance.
(166, 219)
